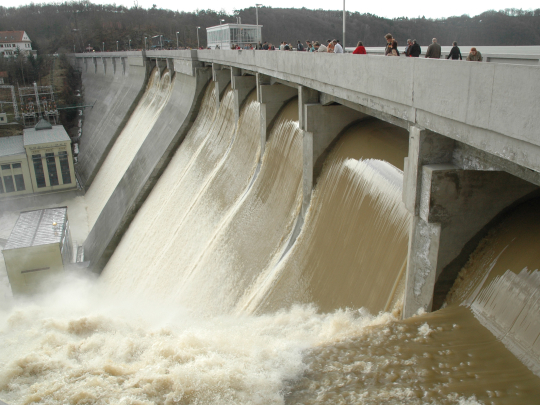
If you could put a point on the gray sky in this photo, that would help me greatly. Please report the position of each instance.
(389, 8)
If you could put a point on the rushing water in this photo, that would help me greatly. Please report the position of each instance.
(129, 141)
(201, 303)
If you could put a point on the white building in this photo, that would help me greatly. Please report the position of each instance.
(10, 41)
(39, 246)
(226, 36)
(39, 161)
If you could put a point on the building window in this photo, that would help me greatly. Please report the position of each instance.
(8, 177)
(8, 182)
(51, 167)
(19, 182)
(64, 167)
(38, 169)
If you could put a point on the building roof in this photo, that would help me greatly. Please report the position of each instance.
(35, 228)
(11, 145)
(56, 134)
(13, 36)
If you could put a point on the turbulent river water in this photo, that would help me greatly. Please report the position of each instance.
(207, 301)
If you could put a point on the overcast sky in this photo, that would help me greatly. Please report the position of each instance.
(389, 8)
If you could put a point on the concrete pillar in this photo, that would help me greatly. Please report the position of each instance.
(242, 86)
(272, 98)
(170, 65)
(450, 206)
(320, 125)
(161, 65)
(221, 78)
(114, 65)
(425, 148)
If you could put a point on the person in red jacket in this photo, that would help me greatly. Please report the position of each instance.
(360, 50)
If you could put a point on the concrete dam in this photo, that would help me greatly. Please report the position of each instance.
(274, 228)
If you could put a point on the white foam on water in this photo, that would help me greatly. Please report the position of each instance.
(79, 344)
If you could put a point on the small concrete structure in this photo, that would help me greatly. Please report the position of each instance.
(226, 36)
(39, 246)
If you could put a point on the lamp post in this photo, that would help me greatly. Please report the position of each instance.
(116, 46)
(161, 41)
(102, 47)
(344, 16)
(177, 32)
(221, 34)
(145, 43)
(257, 20)
(198, 44)
(130, 44)
(88, 48)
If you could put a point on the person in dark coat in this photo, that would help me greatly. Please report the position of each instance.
(415, 50)
(434, 50)
(408, 48)
(455, 53)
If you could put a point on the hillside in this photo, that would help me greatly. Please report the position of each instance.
(63, 27)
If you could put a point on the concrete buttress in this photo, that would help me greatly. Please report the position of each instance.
(242, 86)
(320, 126)
(221, 78)
(272, 98)
(450, 206)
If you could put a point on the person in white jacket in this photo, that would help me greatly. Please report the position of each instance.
(337, 47)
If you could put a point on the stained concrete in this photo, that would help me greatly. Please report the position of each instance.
(454, 205)
(114, 94)
(272, 98)
(147, 166)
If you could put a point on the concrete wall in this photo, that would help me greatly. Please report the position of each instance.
(113, 85)
(487, 106)
(150, 161)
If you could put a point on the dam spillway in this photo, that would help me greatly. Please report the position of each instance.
(222, 288)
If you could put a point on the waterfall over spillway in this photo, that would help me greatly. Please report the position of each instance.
(209, 299)
(219, 234)
(129, 141)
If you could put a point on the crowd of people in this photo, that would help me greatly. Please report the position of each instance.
(412, 49)
(332, 46)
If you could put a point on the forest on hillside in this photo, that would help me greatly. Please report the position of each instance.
(63, 27)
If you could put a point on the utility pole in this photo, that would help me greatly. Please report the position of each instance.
(130, 44)
(177, 32)
(257, 21)
(344, 16)
(116, 46)
(198, 44)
